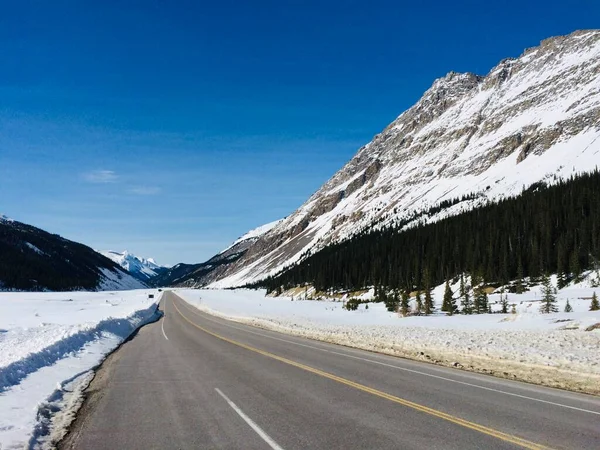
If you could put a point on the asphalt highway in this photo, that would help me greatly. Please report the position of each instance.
(193, 381)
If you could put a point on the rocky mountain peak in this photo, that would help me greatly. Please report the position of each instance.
(141, 268)
(531, 118)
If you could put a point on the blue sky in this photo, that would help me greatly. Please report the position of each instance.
(169, 128)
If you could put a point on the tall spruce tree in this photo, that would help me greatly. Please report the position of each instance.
(595, 306)
(519, 288)
(574, 265)
(465, 297)
(481, 301)
(428, 305)
(548, 296)
(561, 265)
(418, 303)
(480, 295)
(392, 302)
(504, 302)
(405, 303)
(447, 302)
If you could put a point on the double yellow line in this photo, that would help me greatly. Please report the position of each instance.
(433, 412)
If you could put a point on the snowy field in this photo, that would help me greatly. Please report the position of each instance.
(49, 342)
(551, 349)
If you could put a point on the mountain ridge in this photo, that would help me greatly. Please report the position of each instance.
(201, 274)
(33, 259)
(143, 269)
(532, 118)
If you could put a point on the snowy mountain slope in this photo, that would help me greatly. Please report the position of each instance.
(253, 235)
(33, 259)
(141, 268)
(532, 118)
(196, 275)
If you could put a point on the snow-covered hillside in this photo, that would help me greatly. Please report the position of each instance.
(141, 268)
(256, 233)
(49, 342)
(532, 118)
(35, 260)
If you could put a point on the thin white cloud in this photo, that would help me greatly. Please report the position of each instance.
(101, 176)
(145, 190)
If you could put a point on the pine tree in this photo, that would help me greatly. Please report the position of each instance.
(428, 306)
(519, 289)
(574, 266)
(404, 303)
(453, 307)
(482, 302)
(419, 303)
(568, 307)
(504, 303)
(465, 302)
(481, 298)
(561, 265)
(595, 306)
(392, 302)
(447, 302)
(548, 296)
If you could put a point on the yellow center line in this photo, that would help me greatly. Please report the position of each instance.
(433, 412)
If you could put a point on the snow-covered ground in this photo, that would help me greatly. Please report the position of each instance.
(49, 343)
(552, 349)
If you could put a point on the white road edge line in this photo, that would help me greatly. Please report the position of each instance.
(411, 370)
(162, 322)
(265, 437)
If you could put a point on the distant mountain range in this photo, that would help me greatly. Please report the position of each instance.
(32, 259)
(197, 275)
(141, 268)
(478, 139)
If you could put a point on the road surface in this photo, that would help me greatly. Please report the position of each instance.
(193, 381)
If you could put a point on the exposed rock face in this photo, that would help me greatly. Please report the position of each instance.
(531, 118)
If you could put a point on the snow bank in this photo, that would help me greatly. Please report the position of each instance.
(49, 344)
(554, 349)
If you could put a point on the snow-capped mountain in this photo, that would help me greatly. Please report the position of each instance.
(204, 273)
(141, 268)
(532, 118)
(34, 260)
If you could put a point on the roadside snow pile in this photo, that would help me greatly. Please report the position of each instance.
(551, 349)
(49, 343)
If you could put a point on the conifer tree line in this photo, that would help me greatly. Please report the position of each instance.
(546, 229)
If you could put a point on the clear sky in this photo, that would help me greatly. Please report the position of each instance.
(169, 128)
